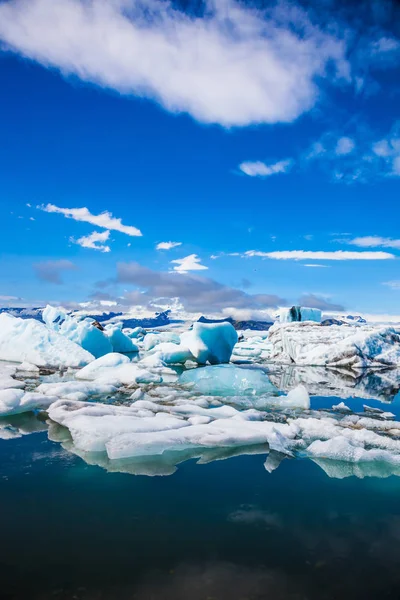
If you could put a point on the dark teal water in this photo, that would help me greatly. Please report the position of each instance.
(227, 530)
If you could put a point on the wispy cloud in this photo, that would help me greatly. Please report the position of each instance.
(394, 284)
(189, 263)
(94, 240)
(374, 241)
(316, 266)
(168, 245)
(52, 270)
(104, 220)
(255, 66)
(320, 255)
(261, 169)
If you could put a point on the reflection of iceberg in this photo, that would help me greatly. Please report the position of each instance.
(338, 469)
(342, 383)
(23, 424)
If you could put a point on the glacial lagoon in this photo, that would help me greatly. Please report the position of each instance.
(217, 523)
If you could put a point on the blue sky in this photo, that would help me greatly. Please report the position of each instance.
(242, 134)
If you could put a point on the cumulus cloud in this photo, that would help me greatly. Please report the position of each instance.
(195, 293)
(188, 263)
(320, 255)
(104, 220)
(168, 245)
(232, 64)
(261, 169)
(52, 270)
(344, 145)
(94, 240)
(374, 241)
(313, 301)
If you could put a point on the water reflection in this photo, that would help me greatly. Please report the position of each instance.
(382, 385)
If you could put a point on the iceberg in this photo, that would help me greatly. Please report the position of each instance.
(227, 380)
(117, 369)
(335, 346)
(31, 341)
(299, 313)
(153, 339)
(169, 353)
(82, 332)
(14, 401)
(210, 342)
(119, 340)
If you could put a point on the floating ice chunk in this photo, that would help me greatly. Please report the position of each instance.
(343, 449)
(76, 389)
(119, 341)
(210, 342)
(29, 340)
(86, 335)
(117, 369)
(297, 398)
(8, 382)
(99, 367)
(93, 425)
(136, 332)
(169, 353)
(27, 367)
(54, 316)
(299, 313)
(17, 401)
(228, 380)
(82, 332)
(341, 407)
(335, 346)
(153, 339)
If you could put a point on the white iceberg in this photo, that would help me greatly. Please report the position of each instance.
(210, 342)
(153, 339)
(117, 369)
(82, 332)
(119, 340)
(336, 346)
(14, 401)
(29, 340)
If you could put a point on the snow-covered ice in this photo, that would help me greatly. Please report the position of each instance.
(31, 341)
(335, 346)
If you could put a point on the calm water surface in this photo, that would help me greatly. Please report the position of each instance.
(227, 530)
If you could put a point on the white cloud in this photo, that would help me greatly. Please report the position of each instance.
(374, 241)
(189, 263)
(394, 284)
(167, 245)
(322, 255)
(94, 240)
(261, 169)
(104, 220)
(234, 65)
(316, 266)
(345, 145)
